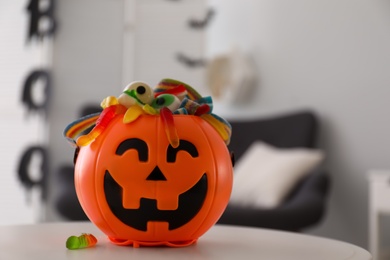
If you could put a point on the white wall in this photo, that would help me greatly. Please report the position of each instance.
(334, 57)
(331, 56)
(87, 66)
(19, 128)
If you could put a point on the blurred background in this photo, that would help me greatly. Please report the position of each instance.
(331, 57)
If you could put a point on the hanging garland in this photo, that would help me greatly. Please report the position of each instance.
(37, 13)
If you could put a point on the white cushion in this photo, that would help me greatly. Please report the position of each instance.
(265, 175)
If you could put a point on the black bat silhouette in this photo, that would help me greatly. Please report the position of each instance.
(200, 24)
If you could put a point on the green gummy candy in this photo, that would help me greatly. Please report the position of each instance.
(73, 242)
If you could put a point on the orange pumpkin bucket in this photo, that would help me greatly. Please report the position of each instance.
(155, 172)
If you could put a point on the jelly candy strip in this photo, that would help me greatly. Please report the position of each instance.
(83, 241)
(206, 100)
(77, 127)
(223, 128)
(225, 124)
(105, 117)
(169, 125)
(132, 113)
(109, 101)
(190, 105)
(192, 93)
(171, 86)
(179, 89)
(171, 83)
(137, 244)
(203, 109)
(181, 111)
(166, 84)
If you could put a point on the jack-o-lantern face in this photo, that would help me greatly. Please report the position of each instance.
(129, 204)
(136, 187)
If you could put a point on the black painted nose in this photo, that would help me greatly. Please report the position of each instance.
(156, 175)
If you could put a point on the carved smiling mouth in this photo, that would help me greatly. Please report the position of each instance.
(190, 203)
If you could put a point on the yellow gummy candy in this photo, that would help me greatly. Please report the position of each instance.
(132, 114)
(109, 101)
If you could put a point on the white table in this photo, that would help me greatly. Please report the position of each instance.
(47, 241)
(379, 204)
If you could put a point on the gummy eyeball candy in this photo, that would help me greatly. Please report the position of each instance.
(137, 92)
(166, 100)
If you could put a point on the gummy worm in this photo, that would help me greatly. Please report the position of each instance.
(169, 125)
(83, 241)
(105, 117)
(78, 126)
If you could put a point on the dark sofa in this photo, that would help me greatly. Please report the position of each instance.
(306, 204)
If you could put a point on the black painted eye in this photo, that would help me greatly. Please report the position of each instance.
(160, 101)
(183, 146)
(137, 144)
(141, 90)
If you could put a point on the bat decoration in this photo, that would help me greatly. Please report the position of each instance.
(190, 62)
(200, 24)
